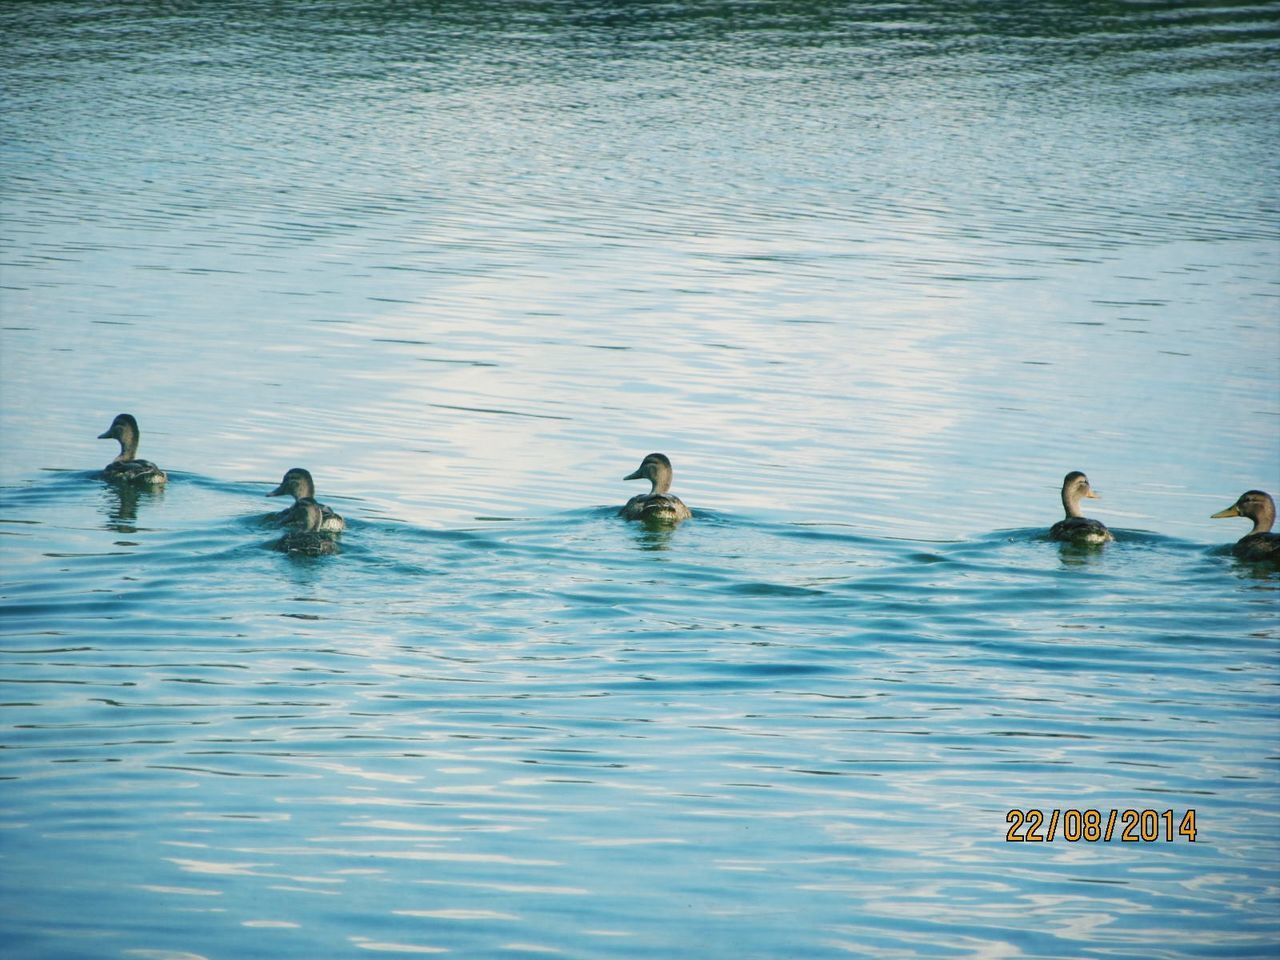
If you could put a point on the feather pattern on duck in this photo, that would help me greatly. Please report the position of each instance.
(1075, 527)
(299, 484)
(126, 467)
(656, 506)
(309, 541)
(1259, 544)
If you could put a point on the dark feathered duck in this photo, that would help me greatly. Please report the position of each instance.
(656, 506)
(1075, 527)
(126, 467)
(309, 540)
(1259, 543)
(299, 484)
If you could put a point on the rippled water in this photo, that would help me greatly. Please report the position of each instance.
(874, 276)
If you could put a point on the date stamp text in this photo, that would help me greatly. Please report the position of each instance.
(1091, 826)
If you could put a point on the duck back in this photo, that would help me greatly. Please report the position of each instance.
(1080, 530)
(310, 543)
(1256, 547)
(141, 472)
(655, 508)
(295, 515)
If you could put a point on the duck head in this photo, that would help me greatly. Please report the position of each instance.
(655, 468)
(124, 428)
(1075, 487)
(297, 482)
(1257, 505)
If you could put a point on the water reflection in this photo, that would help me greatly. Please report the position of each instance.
(121, 502)
(1265, 570)
(654, 536)
(1080, 554)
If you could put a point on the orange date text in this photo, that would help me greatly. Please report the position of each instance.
(1032, 825)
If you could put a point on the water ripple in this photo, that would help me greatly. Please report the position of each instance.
(874, 276)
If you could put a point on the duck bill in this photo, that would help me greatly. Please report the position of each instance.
(1093, 494)
(634, 476)
(106, 436)
(279, 491)
(1231, 511)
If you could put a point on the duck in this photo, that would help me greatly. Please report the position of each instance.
(1259, 543)
(308, 541)
(298, 482)
(126, 467)
(1076, 528)
(657, 505)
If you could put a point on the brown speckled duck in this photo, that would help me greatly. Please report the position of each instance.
(1259, 543)
(126, 468)
(1075, 527)
(308, 541)
(656, 506)
(298, 482)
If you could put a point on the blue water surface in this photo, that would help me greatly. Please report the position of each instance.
(874, 276)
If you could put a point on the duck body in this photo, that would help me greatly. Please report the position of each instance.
(656, 506)
(126, 468)
(299, 484)
(309, 541)
(1259, 544)
(1258, 547)
(1080, 530)
(330, 522)
(140, 472)
(1075, 527)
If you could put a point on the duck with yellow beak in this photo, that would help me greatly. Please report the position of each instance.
(1259, 544)
(1075, 527)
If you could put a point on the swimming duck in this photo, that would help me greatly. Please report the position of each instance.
(298, 482)
(1259, 543)
(308, 541)
(657, 505)
(126, 468)
(1076, 528)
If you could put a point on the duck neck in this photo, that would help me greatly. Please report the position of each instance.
(661, 481)
(128, 447)
(1263, 520)
(1071, 503)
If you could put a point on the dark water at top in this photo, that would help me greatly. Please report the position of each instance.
(874, 276)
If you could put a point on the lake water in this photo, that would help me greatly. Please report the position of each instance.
(874, 276)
